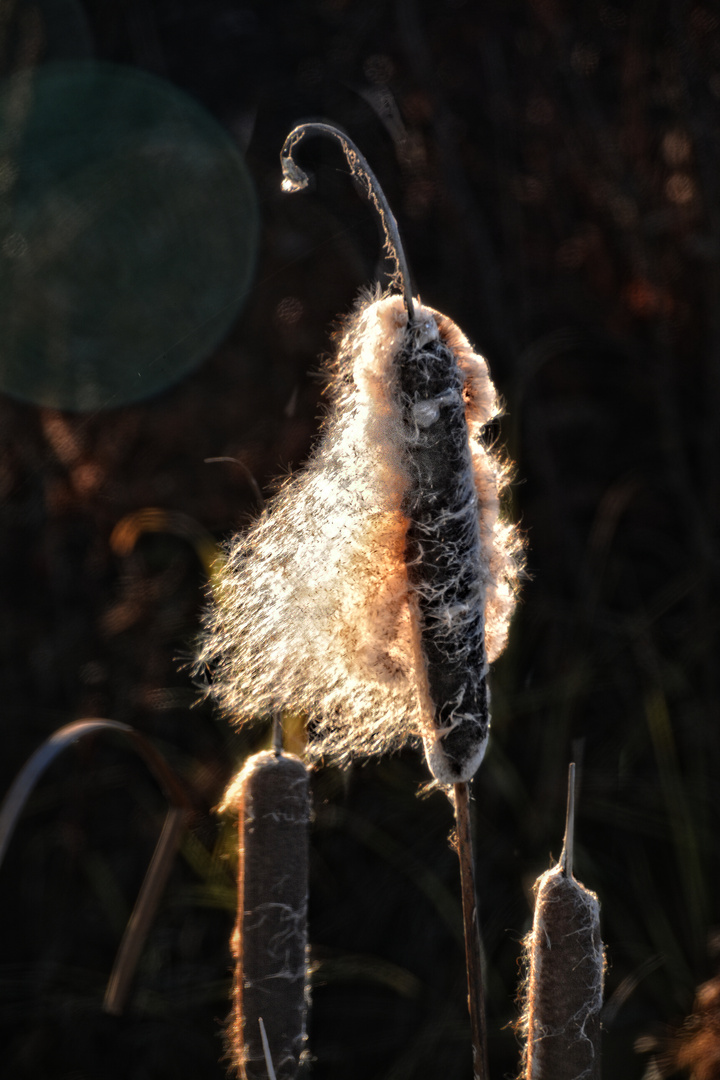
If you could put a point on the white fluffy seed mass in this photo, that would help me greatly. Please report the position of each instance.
(313, 611)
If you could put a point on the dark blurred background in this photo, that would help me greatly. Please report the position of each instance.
(554, 171)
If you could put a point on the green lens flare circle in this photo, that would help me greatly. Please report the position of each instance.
(128, 234)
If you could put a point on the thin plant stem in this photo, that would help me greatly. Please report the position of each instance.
(566, 857)
(277, 734)
(473, 950)
(294, 179)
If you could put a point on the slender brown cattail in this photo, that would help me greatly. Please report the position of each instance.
(566, 964)
(270, 938)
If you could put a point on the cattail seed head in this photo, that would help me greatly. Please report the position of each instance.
(565, 971)
(443, 555)
(334, 603)
(270, 938)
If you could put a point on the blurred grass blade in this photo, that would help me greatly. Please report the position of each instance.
(166, 848)
(143, 913)
(23, 784)
(153, 519)
(422, 876)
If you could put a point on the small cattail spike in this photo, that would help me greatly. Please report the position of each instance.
(294, 179)
(565, 963)
(566, 858)
(270, 995)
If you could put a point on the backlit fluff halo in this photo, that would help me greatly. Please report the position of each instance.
(312, 611)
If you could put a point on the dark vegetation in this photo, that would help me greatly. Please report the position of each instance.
(554, 171)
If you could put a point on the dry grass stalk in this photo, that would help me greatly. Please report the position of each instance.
(566, 964)
(270, 938)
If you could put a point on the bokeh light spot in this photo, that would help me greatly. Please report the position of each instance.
(127, 236)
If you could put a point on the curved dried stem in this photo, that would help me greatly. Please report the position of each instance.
(294, 179)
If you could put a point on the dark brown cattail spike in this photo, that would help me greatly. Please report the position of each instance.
(443, 543)
(270, 938)
(294, 179)
(444, 556)
(566, 963)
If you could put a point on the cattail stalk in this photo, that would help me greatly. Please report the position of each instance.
(473, 941)
(270, 938)
(566, 965)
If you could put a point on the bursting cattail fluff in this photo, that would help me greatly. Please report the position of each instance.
(378, 585)
(379, 582)
(269, 943)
